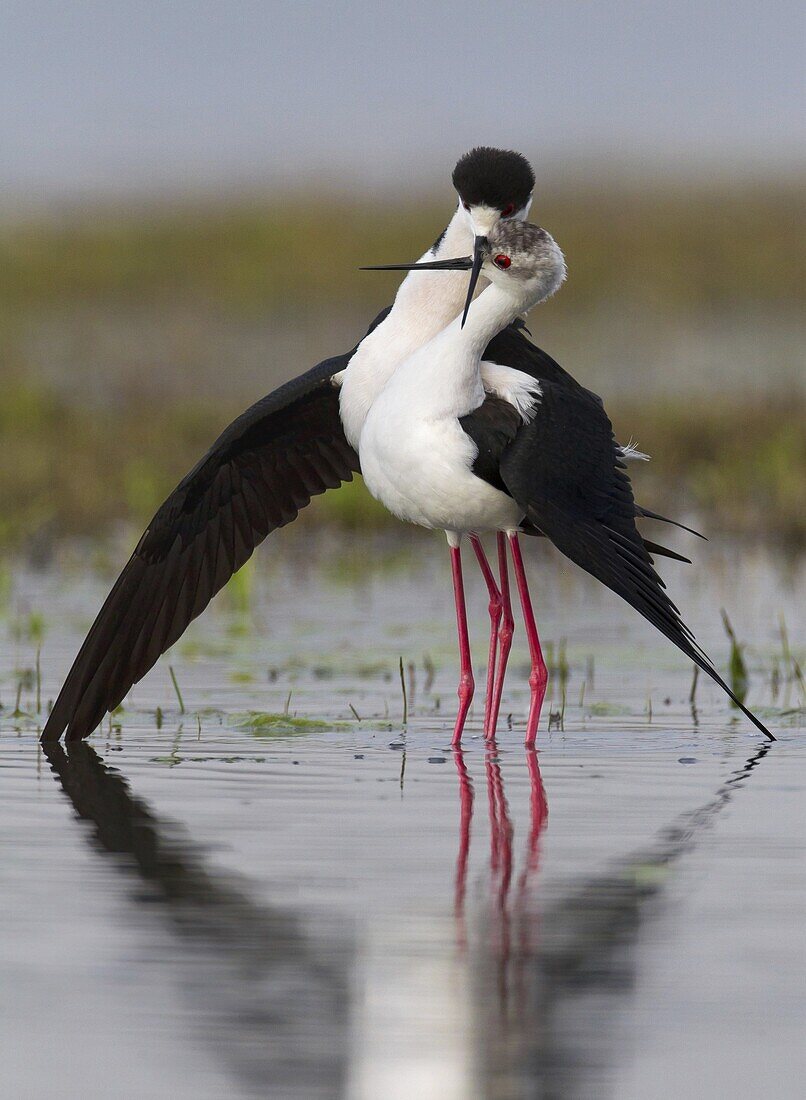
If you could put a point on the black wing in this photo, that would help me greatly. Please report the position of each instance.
(512, 348)
(495, 424)
(571, 482)
(260, 472)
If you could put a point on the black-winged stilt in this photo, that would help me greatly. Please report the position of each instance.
(268, 464)
(444, 447)
(301, 440)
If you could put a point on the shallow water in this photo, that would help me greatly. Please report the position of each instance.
(213, 903)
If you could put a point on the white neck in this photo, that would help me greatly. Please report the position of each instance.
(426, 302)
(449, 375)
(491, 312)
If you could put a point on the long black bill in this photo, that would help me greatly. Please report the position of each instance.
(473, 264)
(480, 246)
(463, 263)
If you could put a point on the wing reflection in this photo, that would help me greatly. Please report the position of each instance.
(269, 997)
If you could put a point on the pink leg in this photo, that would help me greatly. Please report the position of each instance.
(466, 683)
(504, 634)
(538, 677)
(495, 608)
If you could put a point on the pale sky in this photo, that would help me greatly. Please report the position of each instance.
(119, 95)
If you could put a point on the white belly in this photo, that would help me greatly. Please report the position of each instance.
(421, 470)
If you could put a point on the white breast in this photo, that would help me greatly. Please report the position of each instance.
(417, 460)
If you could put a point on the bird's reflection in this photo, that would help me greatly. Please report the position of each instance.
(506, 907)
(547, 1011)
(270, 998)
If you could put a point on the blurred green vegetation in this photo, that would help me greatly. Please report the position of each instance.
(708, 246)
(741, 464)
(73, 467)
(72, 470)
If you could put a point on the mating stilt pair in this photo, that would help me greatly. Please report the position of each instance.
(502, 625)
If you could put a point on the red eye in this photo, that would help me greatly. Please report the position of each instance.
(502, 261)
(508, 210)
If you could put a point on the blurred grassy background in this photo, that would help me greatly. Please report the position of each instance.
(130, 335)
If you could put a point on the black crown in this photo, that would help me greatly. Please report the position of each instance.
(493, 177)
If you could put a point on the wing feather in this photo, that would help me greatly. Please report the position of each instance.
(262, 470)
(564, 468)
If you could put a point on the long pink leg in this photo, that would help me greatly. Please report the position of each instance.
(538, 677)
(495, 607)
(466, 682)
(507, 629)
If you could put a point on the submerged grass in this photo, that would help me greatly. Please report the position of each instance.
(267, 724)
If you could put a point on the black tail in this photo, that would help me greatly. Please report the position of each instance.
(664, 551)
(644, 513)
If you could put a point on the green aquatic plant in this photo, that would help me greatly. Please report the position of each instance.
(38, 680)
(29, 628)
(241, 676)
(403, 691)
(18, 712)
(267, 724)
(607, 710)
(176, 689)
(737, 667)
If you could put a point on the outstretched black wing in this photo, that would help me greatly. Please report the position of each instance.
(260, 472)
(572, 485)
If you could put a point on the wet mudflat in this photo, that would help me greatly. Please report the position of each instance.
(259, 881)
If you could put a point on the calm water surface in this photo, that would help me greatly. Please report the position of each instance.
(221, 903)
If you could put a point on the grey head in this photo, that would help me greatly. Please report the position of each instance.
(524, 258)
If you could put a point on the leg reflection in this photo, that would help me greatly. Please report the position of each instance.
(465, 817)
(501, 864)
(501, 833)
(572, 983)
(539, 815)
